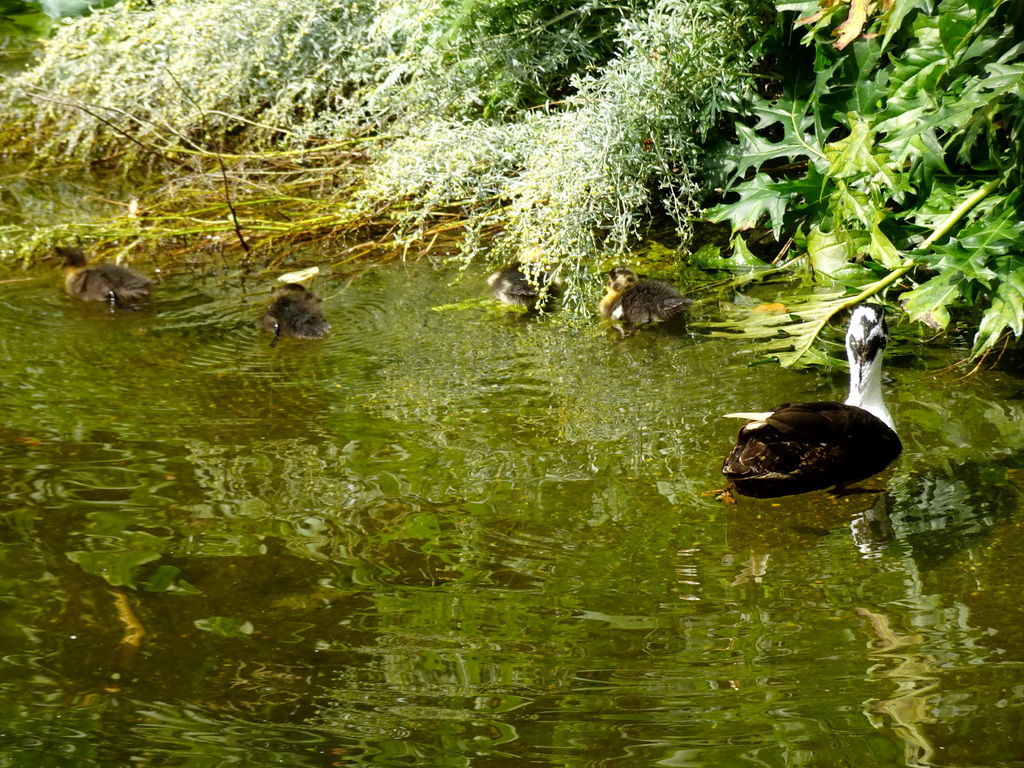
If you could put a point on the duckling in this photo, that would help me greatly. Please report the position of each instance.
(639, 302)
(101, 282)
(801, 447)
(296, 312)
(512, 285)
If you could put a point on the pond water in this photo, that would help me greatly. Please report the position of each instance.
(459, 537)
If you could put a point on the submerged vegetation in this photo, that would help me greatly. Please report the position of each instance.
(881, 146)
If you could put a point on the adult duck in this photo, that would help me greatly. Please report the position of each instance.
(801, 447)
(629, 299)
(117, 285)
(295, 311)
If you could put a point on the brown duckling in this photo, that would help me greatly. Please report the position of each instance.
(295, 311)
(631, 300)
(801, 447)
(101, 282)
(523, 286)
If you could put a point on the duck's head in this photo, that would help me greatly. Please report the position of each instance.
(866, 340)
(74, 258)
(297, 288)
(620, 279)
(867, 336)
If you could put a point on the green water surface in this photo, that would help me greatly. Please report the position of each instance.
(465, 538)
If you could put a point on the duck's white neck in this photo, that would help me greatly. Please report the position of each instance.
(866, 387)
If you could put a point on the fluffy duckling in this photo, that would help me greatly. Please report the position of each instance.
(296, 312)
(101, 282)
(639, 302)
(801, 447)
(512, 285)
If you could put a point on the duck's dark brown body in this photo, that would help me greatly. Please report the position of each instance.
(101, 282)
(804, 447)
(640, 302)
(295, 312)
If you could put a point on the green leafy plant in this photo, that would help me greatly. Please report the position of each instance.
(577, 181)
(893, 157)
(522, 125)
(885, 145)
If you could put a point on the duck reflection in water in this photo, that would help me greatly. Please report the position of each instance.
(756, 538)
(800, 447)
(119, 286)
(295, 311)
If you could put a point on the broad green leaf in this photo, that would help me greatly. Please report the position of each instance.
(758, 198)
(853, 206)
(925, 154)
(23, 23)
(979, 48)
(791, 115)
(913, 80)
(982, 97)
(929, 302)
(956, 23)
(893, 18)
(809, 195)
(829, 252)
(856, 157)
(972, 265)
(16, 7)
(742, 255)
(825, 68)
(944, 196)
(851, 157)
(711, 258)
(980, 243)
(1006, 311)
(883, 251)
(870, 82)
(834, 254)
(788, 336)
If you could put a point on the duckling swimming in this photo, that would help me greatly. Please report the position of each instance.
(801, 447)
(639, 302)
(101, 282)
(295, 312)
(512, 285)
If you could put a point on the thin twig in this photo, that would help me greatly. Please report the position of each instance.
(37, 93)
(220, 161)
